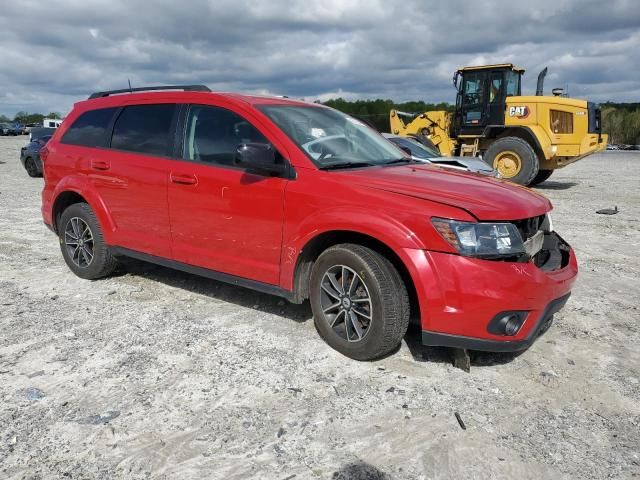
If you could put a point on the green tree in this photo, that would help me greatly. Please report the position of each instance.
(376, 112)
(26, 117)
(621, 121)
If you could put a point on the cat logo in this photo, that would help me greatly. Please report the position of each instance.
(519, 112)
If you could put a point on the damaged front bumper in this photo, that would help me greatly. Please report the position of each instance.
(470, 294)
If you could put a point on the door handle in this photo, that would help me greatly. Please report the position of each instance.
(183, 179)
(99, 165)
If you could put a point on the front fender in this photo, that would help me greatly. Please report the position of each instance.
(380, 226)
(81, 185)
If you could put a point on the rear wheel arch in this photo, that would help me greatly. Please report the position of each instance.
(70, 194)
(321, 242)
(63, 201)
(523, 133)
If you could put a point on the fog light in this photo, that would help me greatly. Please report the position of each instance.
(507, 323)
(512, 325)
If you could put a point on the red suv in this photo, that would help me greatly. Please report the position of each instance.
(299, 200)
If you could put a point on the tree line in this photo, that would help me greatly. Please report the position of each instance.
(376, 112)
(621, 121)
(26, 118)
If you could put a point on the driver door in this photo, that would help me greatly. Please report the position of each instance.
(223, 217)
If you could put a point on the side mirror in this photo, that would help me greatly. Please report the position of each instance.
(260, 158)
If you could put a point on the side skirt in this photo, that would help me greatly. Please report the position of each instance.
(205, 272)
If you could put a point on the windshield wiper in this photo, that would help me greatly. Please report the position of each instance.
(397, 161)
(337, 166)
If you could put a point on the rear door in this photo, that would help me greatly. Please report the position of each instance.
(131, 176)
(222, 217)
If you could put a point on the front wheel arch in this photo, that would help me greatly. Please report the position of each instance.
(318, 244)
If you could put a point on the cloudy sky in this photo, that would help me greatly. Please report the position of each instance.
(53, 53)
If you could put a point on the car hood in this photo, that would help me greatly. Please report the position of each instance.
(484, 197)
(474, 164)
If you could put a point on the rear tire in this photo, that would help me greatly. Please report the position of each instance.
(342, 279)
(82, 243)
(542, 176)
(514, 159)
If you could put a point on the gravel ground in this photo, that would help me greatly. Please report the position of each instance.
(158, 374)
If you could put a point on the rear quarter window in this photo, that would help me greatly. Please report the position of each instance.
(145, 129)
(90, 128)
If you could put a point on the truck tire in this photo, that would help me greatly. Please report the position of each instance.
(514, 159)
(82, 243)
(542, 176)
(360, 303)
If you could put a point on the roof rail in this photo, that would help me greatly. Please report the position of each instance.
(186, 88)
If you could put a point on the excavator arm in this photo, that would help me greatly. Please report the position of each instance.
(435, 125)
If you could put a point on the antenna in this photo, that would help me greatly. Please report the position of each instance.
(130, 90)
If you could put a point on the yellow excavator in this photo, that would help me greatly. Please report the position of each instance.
(525, 138)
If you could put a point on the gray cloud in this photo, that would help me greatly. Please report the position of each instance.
(55, 53)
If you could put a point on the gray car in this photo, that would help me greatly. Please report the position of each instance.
(427, 152)
(6, 129)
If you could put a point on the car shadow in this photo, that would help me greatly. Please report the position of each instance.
(550, 185)
(424, 353)
(237, 295)
(301, 313)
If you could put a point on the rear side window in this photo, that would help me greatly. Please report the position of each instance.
(144, 129)
(89, 129)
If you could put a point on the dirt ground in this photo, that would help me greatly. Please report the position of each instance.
(158, 374)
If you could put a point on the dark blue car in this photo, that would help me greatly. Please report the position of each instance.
(30, 156)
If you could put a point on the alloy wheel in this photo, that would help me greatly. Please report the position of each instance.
(78, 240)
(346, 303)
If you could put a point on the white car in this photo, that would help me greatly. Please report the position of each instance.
(423, 152)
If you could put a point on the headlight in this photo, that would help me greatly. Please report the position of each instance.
(487, 240)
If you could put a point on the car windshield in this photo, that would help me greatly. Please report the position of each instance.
(417, 148)
(332, 139)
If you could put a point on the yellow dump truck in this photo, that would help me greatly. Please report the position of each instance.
(525, 138)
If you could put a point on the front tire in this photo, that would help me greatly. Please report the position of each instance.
(82, 243)
(31, 168)
(542, 176)
(360, 303)
(514, 159)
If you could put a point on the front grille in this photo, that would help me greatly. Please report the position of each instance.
(529, 226)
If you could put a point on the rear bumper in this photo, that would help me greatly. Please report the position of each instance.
(459, 296)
